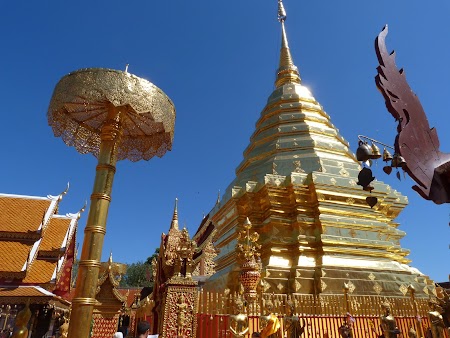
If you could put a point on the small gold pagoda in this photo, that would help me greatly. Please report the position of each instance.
(297, 184)
(109, 300)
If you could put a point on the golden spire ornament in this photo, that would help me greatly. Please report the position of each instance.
(174, 224)
(287, 71)
(114, 115)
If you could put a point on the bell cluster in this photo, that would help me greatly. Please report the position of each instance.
(366, 154)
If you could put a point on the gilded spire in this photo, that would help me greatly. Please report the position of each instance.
(110, 261)
(218, 198)
(287, 71)
(174, 224)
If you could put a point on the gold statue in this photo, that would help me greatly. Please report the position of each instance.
(240, 320)
(64, 329)
(436, 321)
(22, 319)
(273, 324)
(292, 326)
(444, 305)
(388, 324)
(185, 251)
(182, 315)
(412, 333)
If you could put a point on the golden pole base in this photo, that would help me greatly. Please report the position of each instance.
(86, 287)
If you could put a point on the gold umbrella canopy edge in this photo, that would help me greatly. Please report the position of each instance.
(79, 108)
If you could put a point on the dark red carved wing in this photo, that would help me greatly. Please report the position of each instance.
(416, 141)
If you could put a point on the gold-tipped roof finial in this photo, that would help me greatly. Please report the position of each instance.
(218, 197)
(174, 224)
(82, 209)
(67, 189)
(287, 71)
(64, 192)
(110, 261)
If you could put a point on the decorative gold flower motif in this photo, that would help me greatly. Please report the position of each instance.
(403, 289)
(377, 288)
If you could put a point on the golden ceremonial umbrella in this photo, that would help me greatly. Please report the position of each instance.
(114, 115)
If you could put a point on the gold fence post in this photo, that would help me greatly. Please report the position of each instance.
(412, 292)
(347, 302)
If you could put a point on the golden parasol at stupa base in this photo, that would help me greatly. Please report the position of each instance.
(115, 116)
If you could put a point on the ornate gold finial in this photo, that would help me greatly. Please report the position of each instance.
(174, 224)
(281, 11)
(287, 71)
(247, 246)
(110, 261)
(218, 197)
(248, 254)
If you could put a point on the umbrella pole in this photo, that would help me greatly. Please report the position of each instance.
(94, 233)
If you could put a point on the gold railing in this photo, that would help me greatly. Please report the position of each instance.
(220, 303)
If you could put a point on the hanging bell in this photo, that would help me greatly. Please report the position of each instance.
(386, 155)
(375, 152)
(398, 161)
(363, 152)
(365, 177)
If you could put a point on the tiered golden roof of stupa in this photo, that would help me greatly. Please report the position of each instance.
(298, 185)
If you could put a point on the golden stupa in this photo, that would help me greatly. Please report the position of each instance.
(298, 186)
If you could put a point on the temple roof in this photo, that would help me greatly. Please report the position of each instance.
(55, 233)
(40, 272)
(25, 213)
(34, 239)
(129, 294)
(13, 256)
(34, 294)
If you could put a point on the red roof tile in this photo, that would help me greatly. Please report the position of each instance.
(54, 234)
(22, 214)
(40, 272)
(13, 255)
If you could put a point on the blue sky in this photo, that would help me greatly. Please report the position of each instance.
(216, 60)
